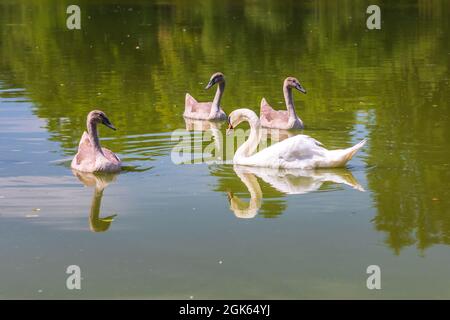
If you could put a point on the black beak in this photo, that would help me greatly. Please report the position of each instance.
(299, 87)
(210, 84)
(108, 123)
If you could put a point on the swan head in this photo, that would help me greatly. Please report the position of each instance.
(291, 82)
(97, 116)
(217, 77)
(240, 115)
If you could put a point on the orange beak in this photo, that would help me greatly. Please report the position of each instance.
(229, 129)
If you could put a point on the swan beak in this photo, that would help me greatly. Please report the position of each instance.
(300, 88)
(229, 129)
(109, 125)
(210, 84)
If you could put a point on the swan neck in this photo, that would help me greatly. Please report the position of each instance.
(288, 98)
(93, 135)
(249, 147)
(216, 102)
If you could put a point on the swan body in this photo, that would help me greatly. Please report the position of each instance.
(91, 157)
(283, 119)
(207, 110)
(277, 134)
(297, 152)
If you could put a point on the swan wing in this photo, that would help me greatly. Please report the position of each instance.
(111, 156)
(85, 154)
(298, 147)
(202, 107)
(189, 101)
(269, 115)
(300, 151)
(265, 107)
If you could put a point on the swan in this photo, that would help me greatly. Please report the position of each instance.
(91, 157)
(298, 152)
(281, 119)
(100, 182)
(207, 110)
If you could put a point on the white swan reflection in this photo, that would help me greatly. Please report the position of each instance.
(99, 182)
(287, 181)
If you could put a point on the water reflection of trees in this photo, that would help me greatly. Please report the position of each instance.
(401, 72)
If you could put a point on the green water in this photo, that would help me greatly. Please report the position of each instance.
(197, 230)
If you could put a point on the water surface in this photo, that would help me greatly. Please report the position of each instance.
(211, 230)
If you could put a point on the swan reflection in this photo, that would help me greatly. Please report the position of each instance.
(287, 181)
(202, 125)
(99, 182)
(240, 208)
(208, 126)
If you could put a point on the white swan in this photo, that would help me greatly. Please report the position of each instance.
(298, 152)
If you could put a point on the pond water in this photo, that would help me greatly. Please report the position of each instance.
(211, 230)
